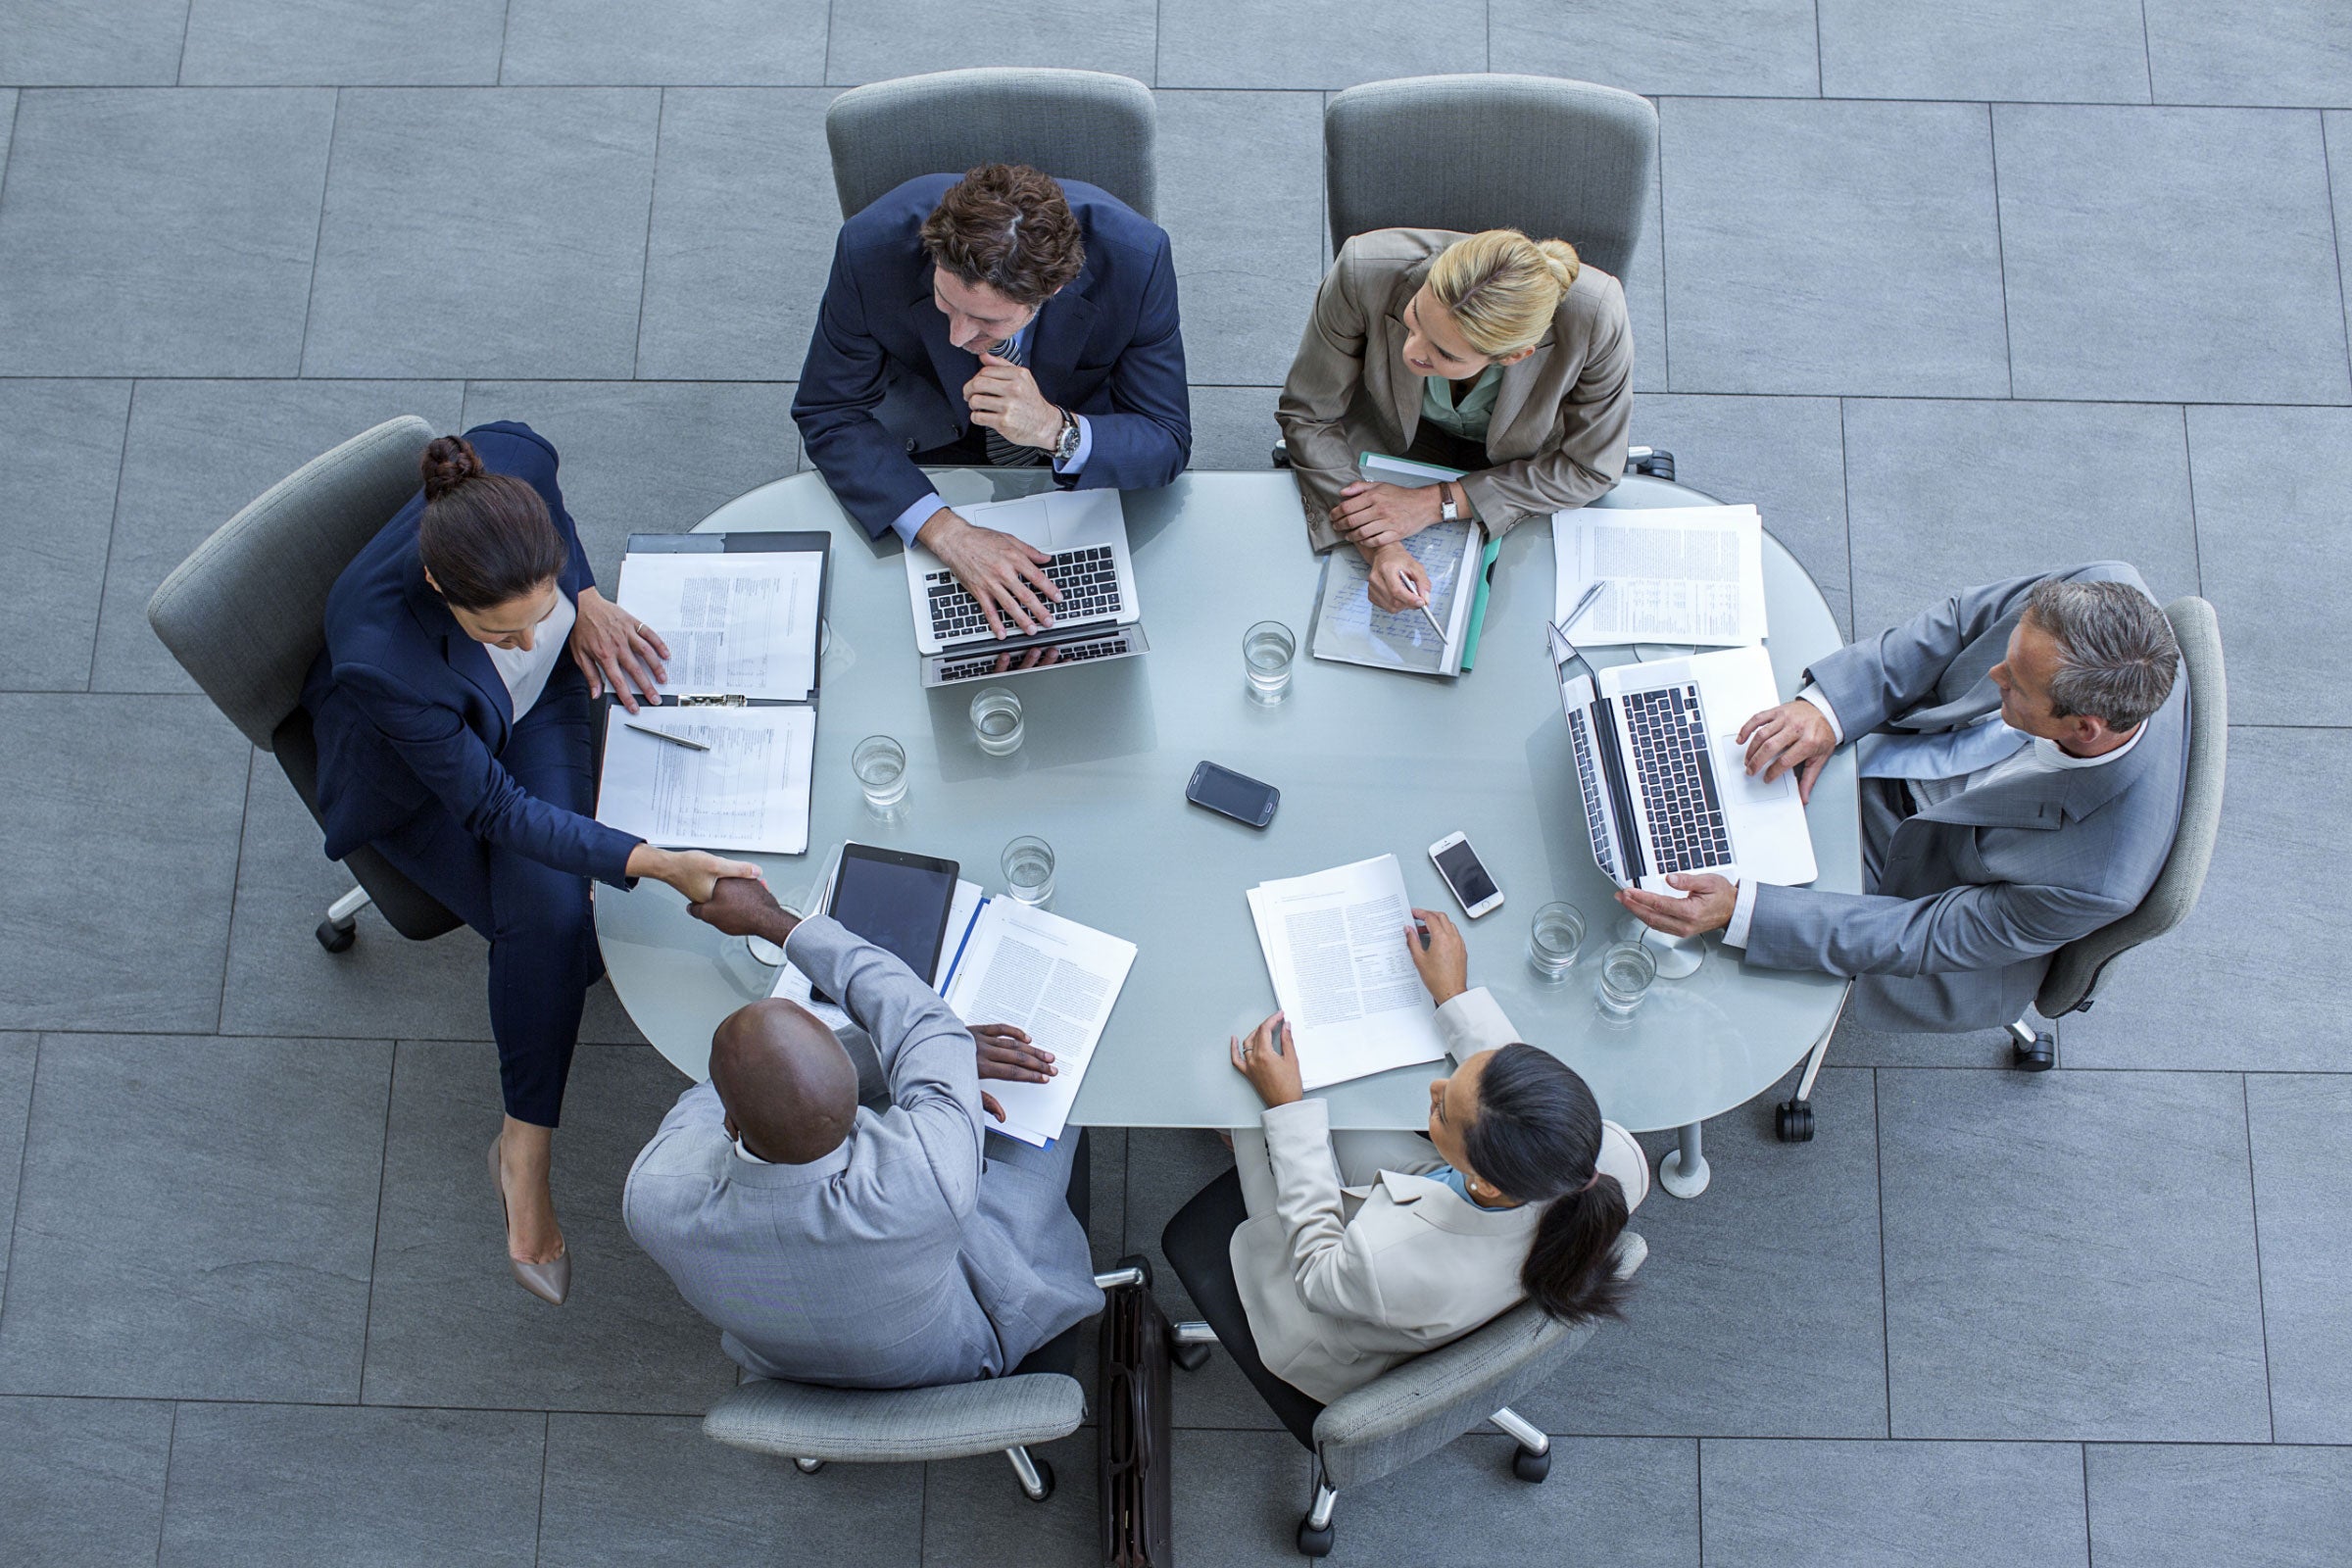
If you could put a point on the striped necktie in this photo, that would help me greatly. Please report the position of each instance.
(1003, 454)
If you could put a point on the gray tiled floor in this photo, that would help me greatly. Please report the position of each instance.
(1950, 292)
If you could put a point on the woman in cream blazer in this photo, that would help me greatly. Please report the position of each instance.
(1494, 353)
(1364, 1250)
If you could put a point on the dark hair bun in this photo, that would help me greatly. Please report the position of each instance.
(449, 462)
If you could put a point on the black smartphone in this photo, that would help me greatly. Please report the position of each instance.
(1246, 800)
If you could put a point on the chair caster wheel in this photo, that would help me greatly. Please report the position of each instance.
(1792, 1121)
(2040, 1057)
(1191, 1357)
(336, 937)
(1313, 1543)
(1045, 1477)
(1531, 1466)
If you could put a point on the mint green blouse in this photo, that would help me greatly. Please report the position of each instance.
(1468, 417)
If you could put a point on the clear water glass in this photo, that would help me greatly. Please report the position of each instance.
(1267, 650)
(880, 764)
(1554, 939)
(996, 721)
(1627, 969)
(1029, 870)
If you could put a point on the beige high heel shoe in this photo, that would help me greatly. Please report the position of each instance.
(551, 1282)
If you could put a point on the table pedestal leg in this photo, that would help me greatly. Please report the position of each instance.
(1683, 1169)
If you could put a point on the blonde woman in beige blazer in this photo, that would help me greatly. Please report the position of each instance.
(1363, 1250)
(1492, 353)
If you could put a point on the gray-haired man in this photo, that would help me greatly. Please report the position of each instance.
(2022, 749)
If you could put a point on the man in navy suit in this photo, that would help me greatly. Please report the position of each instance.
(999, 318)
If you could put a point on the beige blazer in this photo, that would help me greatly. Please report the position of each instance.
(1352, 1261)
(1556, 437)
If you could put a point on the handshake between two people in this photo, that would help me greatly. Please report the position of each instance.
(737, 901)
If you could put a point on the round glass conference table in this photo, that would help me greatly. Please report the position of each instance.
(1367, 760)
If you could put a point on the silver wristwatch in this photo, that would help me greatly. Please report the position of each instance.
(1447, 511)
(1066, 445)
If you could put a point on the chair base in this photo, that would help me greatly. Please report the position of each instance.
(1792, 1121)
(1036, 1475)
(2032, 1050)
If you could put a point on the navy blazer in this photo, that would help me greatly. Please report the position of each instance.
(409, 711)
(1108, 346)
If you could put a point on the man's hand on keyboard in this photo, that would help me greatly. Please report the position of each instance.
(1795, 735)
(1005, 575)
(1706, 903)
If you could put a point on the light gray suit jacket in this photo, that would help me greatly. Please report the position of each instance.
(891, 1262)
(1974, 894)
(1556, 437)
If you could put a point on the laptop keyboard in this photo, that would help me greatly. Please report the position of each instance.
(1677, 779)
(1587, 777)
(1020, 662)
(1088, 580)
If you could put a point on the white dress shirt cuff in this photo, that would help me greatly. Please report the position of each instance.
(908, 522)
(1086, 447)
(1744, 910)
(1812, 694)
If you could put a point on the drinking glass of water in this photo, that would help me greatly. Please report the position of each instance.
(1029, 870)
(1267, 649)
(996, 721)
(880, 764)
(1554, 939)
(1627, 969)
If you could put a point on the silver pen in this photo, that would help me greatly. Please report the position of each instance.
(1433, 621)
(664, 735)
(1582, 604)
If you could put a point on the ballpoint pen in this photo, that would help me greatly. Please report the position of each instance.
(1582, 604)
(1433, 621)
(664, 735)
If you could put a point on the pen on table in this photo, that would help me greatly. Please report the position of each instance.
(664, 735)
(1582, 604)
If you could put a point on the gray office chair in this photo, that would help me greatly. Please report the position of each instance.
(1559, 160)
(1073, 125)
(2078, 969)
(1421, 1406)
(810, 1425)
(246, 614)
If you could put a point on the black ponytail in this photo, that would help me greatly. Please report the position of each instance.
(485, 537)
(1536, 1138)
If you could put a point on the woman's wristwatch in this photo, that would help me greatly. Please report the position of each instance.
(1447, 511)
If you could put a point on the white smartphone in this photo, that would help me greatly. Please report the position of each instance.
(1467, 875)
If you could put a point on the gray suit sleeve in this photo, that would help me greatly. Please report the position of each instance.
(926, 1053)
(1962, 929)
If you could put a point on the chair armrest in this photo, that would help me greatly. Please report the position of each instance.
(801, 1421)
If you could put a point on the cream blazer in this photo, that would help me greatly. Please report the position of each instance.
(1556, 437)
(1341, 1282)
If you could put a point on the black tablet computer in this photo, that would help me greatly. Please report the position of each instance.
(897, 902)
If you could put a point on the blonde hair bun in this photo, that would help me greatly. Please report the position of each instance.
(1503, 287)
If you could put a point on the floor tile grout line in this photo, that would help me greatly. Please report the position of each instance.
(1878, 1150)
(1665, 279)
(2334, 234)
(547, 1441)
(24, 1158)
(644, 263)
(1156, 32)
(1845, 495)
(1698, 1475)
(506, 22)
(326, 185)
(824, 68)
(162, 1512)
(114, 522)
(229, 933)
(16, 114)
(2262, 1307)
(1821, 74)
(2147, 53)
(2091, 1553)
(2000, 246)
(187, 23)
(375, 1244)
(2188, 463)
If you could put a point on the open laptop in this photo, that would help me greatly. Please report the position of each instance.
(1098, 618)
(1665, 783)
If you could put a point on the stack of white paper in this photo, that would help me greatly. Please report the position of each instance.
(1335, 946)
(741, 624)
(1052, 978)
(749, 791)
(1670, 574)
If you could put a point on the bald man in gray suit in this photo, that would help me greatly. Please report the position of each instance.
(839, 1244)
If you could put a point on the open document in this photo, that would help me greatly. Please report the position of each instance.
(1669, 574)
(1351, 630)
(1055, 979)
(1335, 946)
(742, 624)
(749, 790)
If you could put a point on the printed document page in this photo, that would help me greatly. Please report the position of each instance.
(749, 791)
(1052, 977)
(1672, 574)
(743, 624)
(1351, 630)
(1335, 947)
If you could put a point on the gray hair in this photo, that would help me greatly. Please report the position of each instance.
(2116, 651)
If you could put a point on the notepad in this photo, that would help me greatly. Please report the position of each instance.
(1334, 943)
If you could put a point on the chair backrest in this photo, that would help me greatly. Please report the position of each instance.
(2076, 970)
(1073, 125)
(246, 612)
(802, 1421)
(1555, 158)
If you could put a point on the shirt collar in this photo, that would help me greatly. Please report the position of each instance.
(2048, 755)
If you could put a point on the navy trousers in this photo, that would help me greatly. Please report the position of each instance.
(543, 951)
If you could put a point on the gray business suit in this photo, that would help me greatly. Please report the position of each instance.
(1969, 898)
(900, 1259)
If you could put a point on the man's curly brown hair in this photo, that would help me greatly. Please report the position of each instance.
(1007, 225)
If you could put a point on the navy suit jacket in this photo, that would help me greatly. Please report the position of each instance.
(409, 712)
(1108, 346)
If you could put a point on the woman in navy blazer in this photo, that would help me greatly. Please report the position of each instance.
(454, 735)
